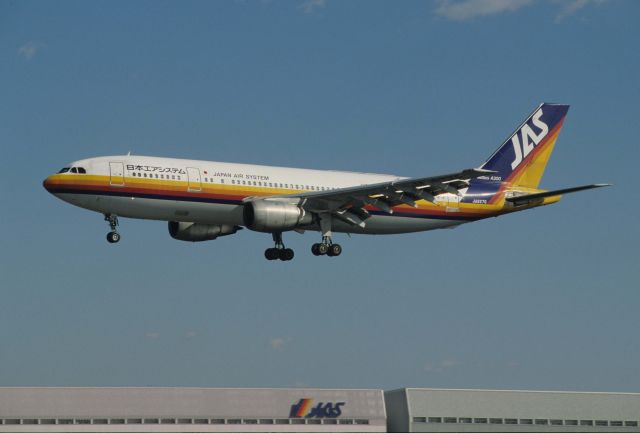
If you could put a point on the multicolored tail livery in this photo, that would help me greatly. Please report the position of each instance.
(521, 160)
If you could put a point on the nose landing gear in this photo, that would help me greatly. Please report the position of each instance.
(113, 236)
(279, 251)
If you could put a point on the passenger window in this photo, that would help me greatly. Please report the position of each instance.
(221, 180)
(173, 176)
(145, 175)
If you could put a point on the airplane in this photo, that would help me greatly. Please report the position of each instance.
(203, 200)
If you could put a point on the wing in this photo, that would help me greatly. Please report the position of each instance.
(520, 200)
(348, 204)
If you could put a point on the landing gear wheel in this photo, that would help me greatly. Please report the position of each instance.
(113, 237)
(334, 250)
(314, 249)
(272, 254)
(322, 249)
(286, 254)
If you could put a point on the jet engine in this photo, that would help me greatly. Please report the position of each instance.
(274, 216)
(194, 232)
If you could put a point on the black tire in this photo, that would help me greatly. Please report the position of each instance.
(286, 254)
(335, 250)
(323, 249)
(271, 254)
(314, 250)
(113, 237)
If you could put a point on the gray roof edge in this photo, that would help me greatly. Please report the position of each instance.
(521, 391)
(179, 388)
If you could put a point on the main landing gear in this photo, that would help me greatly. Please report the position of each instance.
(113, 236)
(326, 247)
(279, 252)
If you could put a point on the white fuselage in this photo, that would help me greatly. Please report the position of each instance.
(211, 192)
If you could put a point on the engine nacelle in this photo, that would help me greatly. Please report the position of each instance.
(274, 216)
(194, 232)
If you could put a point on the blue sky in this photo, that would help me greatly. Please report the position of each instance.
(545, 299)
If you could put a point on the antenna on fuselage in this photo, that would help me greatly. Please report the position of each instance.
(129, 153)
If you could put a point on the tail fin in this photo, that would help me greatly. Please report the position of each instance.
(522, 158)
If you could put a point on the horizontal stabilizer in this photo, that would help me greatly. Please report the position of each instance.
(523, 199)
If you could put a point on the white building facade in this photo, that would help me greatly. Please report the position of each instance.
(314, 410)
(190, 410)
(451, 410)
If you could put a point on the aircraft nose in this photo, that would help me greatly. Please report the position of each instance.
(49, 183)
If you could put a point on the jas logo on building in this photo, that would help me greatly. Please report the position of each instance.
(523, 145)
(305, 409)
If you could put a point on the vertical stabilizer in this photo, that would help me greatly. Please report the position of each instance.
(522, 158)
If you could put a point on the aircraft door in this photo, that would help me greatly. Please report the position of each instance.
(116, 172)
(453, 203)
(195, 183)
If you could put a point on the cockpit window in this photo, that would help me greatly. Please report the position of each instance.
(82, 170)
(64, 170)
(74, 170)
